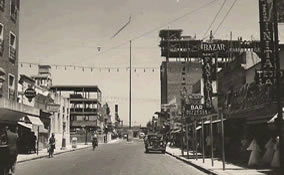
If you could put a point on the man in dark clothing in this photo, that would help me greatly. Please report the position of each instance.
(12, 138)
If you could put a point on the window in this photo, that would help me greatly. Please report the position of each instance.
(1, 39)
(11, 86)
(2, 5)
(14, 4)
(87, 118)
(12, 46)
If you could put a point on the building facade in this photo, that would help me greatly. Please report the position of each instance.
(85, 110)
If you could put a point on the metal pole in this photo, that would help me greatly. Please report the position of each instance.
(223, 143)
(211, 140)
(187, 151)
(279, 106)
(195, 140)
(130, 87)
(203, 148)
(37, 140)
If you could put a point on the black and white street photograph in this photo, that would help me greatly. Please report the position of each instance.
(141, 87)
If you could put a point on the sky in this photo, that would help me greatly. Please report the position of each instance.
(69, 32)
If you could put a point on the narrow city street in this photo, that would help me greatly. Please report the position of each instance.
(115, 159)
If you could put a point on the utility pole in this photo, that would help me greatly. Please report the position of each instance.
(279, 106)
(130, 69)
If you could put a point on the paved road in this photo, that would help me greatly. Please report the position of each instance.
(112, 159)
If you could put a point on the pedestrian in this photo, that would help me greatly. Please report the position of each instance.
(51, 145)
(12, 138)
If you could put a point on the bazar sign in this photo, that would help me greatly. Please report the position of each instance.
(213, 47)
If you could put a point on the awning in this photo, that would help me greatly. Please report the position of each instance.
(272, 120)
(214, 121)
(26, 125)
(35, 120)
(10, 116)
(42, 130)
(198, 127)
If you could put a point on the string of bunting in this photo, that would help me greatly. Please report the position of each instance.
(91, 68)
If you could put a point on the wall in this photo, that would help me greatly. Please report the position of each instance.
(8, 65)
(59, 118)
(180, 75)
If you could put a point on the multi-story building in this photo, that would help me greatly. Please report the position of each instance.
(54, 108)
(9, 42)
(85, 116)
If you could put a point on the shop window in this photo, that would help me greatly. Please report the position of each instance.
(11, 86)
(14, 7)
(2, 5)
(12, 47)
(1, 39)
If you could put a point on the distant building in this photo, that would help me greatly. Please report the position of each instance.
(43, 78)
(85, 109)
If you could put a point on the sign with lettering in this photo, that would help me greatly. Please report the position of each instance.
(30, 93)
(207, 78)
(213, 47)
(195, 110)
(266, 39)
(280, 11)
(51, 107)
(265, 76)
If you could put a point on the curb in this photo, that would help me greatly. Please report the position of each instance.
(58, 153)
(192, 164)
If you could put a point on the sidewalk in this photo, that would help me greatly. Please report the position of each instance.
(217, 169)
(43, 153)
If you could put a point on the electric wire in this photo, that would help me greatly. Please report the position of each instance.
(227, 14)
(214, 19)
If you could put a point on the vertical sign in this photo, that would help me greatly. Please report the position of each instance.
(266, 74)
(280, 11)
(207, 78)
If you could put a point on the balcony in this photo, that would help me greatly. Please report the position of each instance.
(12, 53)
(90, 111)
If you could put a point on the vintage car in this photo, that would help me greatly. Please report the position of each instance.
(155, 142)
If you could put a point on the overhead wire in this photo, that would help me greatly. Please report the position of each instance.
(226, 15)
(153, 30)
(214, 19)
(159, 27)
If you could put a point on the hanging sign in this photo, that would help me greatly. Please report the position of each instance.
(30, 93)
(51, 107)
(207, 78)
(267, 44)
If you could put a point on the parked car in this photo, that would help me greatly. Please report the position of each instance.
(155, 142)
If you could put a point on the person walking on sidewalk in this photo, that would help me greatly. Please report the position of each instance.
(51, 145)
(12, 138)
